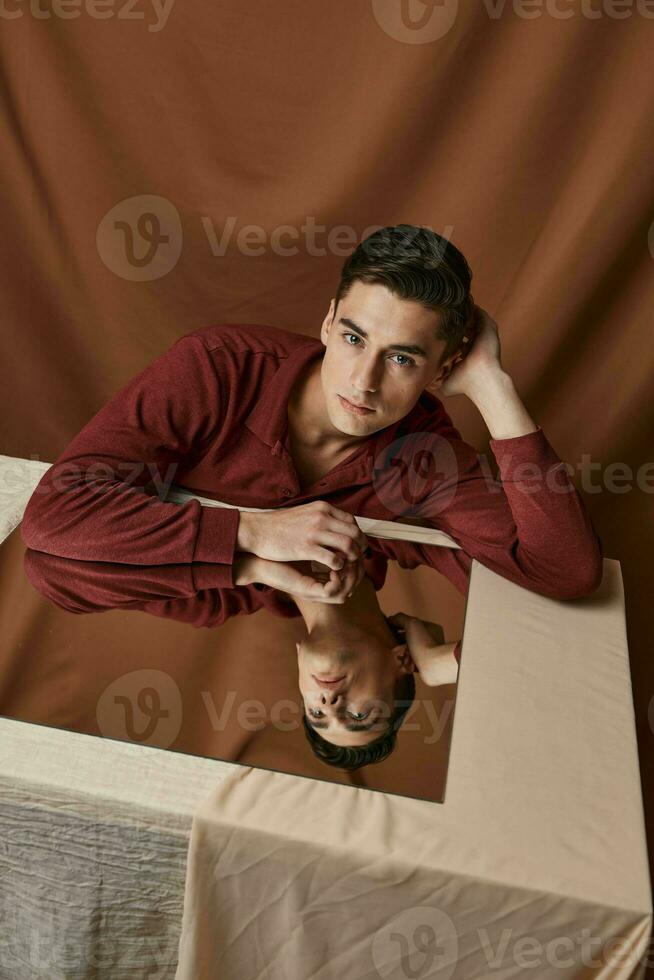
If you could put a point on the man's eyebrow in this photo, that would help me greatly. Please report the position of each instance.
(405, 348)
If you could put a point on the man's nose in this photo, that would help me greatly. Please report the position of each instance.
(366, 375)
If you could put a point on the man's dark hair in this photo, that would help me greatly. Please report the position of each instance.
(418, 264)
(354, 757)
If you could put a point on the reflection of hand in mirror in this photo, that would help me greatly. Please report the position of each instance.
(300, 579)
(433, 657)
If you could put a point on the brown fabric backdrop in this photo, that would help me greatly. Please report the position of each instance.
(524, 134)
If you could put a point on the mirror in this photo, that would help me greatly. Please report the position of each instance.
(156, 655)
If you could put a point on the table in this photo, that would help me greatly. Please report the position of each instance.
(535, 861)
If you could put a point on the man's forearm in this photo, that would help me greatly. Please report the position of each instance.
(502, 409)
(438, 665)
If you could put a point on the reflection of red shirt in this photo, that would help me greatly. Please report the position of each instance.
(210, 415)
(194, 593)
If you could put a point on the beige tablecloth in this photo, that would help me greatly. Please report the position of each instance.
(534, 864)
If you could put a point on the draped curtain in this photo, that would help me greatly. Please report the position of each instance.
(169, 164)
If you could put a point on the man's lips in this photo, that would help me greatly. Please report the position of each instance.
(328, 682)
(353, 407)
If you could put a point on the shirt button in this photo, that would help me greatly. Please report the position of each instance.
(286, 492)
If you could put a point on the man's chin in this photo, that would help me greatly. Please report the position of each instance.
(351, 425)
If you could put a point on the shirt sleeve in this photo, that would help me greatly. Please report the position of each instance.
(92, 504)
(530, 525)
(195, 594)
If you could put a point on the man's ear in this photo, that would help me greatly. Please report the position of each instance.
(445, 369)
(404, 659)
(327, 322)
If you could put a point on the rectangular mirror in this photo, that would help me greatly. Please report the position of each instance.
(141, 653)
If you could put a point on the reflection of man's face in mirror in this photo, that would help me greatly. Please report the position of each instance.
(351, 669)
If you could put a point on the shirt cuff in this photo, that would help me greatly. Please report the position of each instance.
(212, 576)
(217, 534)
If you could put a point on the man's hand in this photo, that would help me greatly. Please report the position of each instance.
(480, 375)
(420, 634)
(316, 531)
(478, 361)
(433, 657)
(299, 578)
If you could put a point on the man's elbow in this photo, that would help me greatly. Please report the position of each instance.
(35, 524)
(583, 581)
(30, 527)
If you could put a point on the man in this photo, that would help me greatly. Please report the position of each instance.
(317, 431)
(355, 665)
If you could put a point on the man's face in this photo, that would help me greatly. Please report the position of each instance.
(366, 672)
(381, 352)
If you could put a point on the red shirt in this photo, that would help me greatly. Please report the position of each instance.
(210, 415)
(192, 593)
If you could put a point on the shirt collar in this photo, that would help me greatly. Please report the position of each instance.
(269, 418)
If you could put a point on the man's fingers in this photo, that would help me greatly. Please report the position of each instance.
(334, 584)
(340, 542)
(319, 591)
(326, 593)
(350, 526)
(329, 558)
(339, 584)
(350, 532)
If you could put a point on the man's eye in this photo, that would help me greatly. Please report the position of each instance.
(408, 361)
